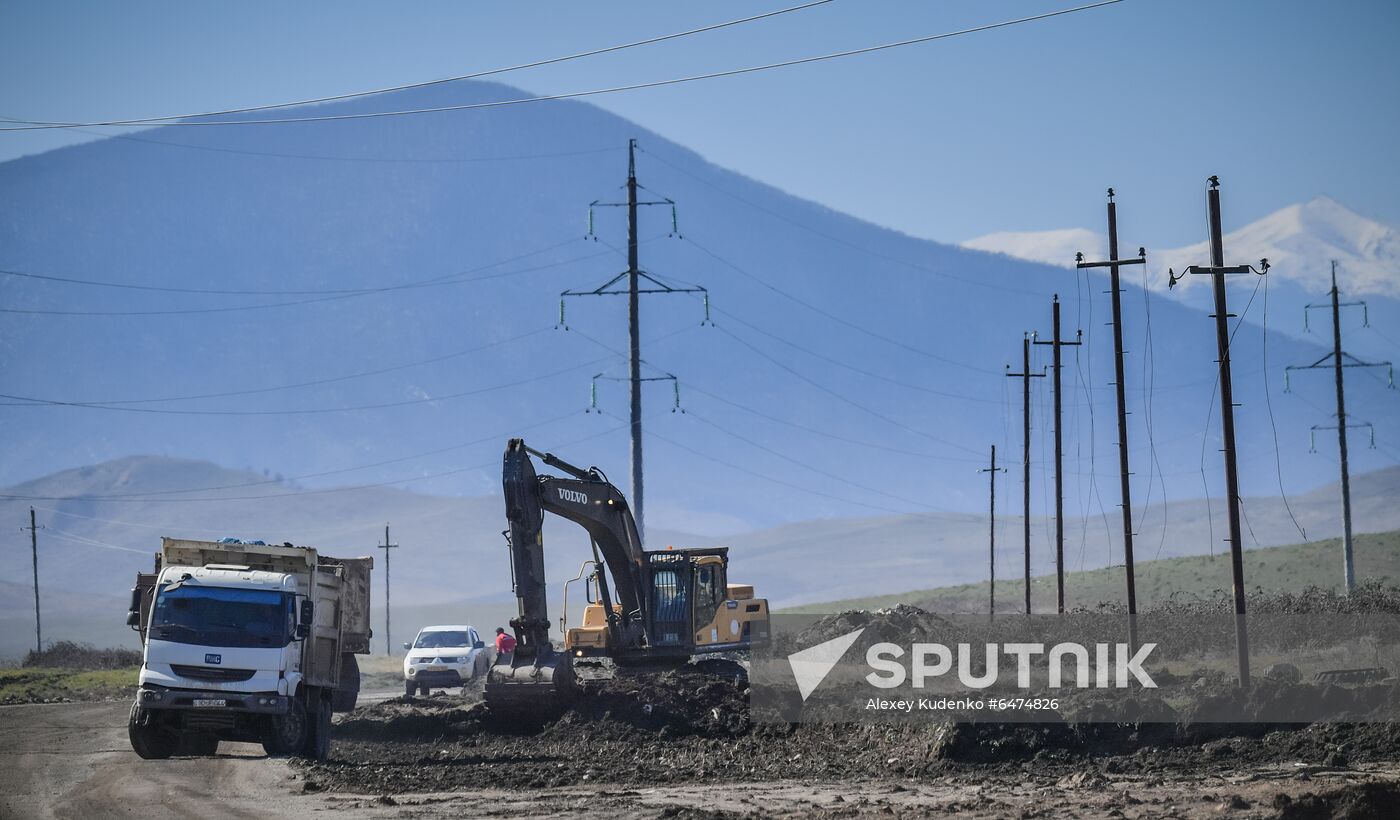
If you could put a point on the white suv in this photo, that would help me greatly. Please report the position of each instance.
(444, 656)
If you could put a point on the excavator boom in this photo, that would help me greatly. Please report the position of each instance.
(659, 607)
(536, 670)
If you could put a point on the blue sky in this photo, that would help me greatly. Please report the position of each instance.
(1016, 129)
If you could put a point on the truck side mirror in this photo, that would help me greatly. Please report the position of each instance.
(135, 605)
(133, 612)
(479, 645)
(405, 644)
(305, 618)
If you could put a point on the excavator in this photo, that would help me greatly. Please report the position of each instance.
(646, 610)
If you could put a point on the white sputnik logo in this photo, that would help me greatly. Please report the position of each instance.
(811, 666)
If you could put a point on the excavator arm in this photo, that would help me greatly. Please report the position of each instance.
(588, 499)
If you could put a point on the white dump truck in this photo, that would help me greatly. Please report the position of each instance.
(246, 642)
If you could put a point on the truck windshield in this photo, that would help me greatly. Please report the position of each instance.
(441, 640)
(221, 616)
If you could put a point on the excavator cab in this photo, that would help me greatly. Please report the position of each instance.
(693, 610)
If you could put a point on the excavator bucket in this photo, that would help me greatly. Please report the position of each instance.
(527, 688)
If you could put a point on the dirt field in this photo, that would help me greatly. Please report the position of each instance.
(432, 759)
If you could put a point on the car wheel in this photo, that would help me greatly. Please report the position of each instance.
(409, 687)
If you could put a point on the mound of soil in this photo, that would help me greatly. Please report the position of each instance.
(1366, 801)
(692, 726)
(894, 624)
(676, 702)
(409, 719)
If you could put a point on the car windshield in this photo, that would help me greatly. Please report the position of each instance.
(441, 639)
(222, 616)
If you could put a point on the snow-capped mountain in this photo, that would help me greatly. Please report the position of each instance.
(1300, 242)
(1051, 247)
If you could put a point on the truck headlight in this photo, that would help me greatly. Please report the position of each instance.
(412, 671)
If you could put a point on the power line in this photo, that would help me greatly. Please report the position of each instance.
(832, 316)
(333, 292)
(442, 81)
(1149, 386)
(257, 390)
(30, 401)
(66, 514)
(322, 474)
(841, 396)
(827, 236)
(823, 433)
(807, 350)
(326, 158)
(78, 539)
(151, 495)
(806, 466)
(320, 532)
(795, 425)
(41, 125)
(1273, 427)
(300, 493)
(854, 369)
(810, 491)
(436, 281)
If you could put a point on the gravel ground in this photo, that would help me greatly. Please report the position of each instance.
(679, 733)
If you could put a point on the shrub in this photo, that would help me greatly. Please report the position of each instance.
(72, 655)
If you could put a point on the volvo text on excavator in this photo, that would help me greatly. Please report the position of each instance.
(645, 608)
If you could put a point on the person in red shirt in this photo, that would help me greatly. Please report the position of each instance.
(505, 644)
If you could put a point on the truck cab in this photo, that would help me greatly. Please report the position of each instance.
(261, 650)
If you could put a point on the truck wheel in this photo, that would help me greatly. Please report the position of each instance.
(344, 698)
(318, 740)
(409, 688)
(425, 690)
(286, 734)
(197, 746)
(149, 741)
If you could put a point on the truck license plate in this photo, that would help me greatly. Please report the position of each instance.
(210, 702)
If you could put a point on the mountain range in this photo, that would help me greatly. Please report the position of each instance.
(451, 564)
(1301, 242)
(375, 304)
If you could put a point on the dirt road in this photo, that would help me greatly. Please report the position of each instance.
(72, 760)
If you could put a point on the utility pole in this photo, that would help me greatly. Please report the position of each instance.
(1056, 343)
(635, 289)
(1025, 376)
(1119, 389)
(386, 546)
(34, 552)
(1217, 271)
(1340, 359)
(992, 536)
